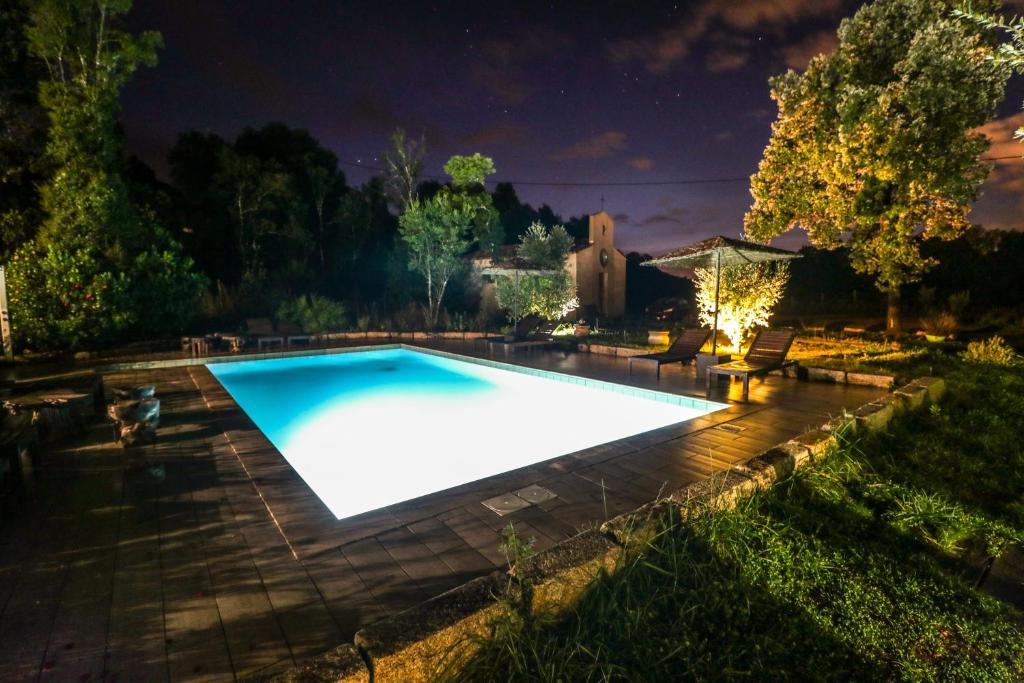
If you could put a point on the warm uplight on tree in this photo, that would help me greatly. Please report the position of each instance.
(747, 298)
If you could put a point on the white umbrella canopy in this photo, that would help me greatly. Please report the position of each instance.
(718, 252)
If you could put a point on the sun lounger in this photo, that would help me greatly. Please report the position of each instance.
(767, 353)
(684, 349)
(262, 330)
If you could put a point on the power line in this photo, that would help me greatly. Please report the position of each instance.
(623, 183)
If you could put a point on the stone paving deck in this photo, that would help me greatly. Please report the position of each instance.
(205, 557)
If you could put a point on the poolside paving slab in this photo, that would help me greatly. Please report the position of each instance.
(206, 557)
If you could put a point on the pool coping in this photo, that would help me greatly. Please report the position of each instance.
(304, 521)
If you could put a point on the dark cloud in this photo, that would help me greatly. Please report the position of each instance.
(504, 66)
(723, 21)
(1002, 195)
(640, 163)
(595, 147)
(496, 135)
(797, 55)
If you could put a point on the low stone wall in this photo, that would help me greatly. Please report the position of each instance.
(408, 647)
(610, 350)
(393, 334)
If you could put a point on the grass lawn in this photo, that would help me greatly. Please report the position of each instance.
(861, 567)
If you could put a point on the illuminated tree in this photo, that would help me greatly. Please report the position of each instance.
(436, 230)
(874, 145)
(747, 296)
(522, 291)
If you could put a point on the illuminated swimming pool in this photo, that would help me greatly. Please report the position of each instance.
(369, 429)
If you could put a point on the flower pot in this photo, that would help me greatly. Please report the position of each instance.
(657, 337)
(582, 330)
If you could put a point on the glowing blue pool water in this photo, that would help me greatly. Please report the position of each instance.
(373, 428)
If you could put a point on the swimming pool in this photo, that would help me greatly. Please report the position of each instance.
(373, 428)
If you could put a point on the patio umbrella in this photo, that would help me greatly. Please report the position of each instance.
(717, 252)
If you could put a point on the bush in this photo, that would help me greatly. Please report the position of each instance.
(940, 324)
(63, 299)
(314, 314)
(993, 351)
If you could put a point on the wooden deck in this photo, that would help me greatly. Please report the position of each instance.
(205, 557)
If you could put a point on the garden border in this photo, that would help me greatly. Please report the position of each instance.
(405, 646)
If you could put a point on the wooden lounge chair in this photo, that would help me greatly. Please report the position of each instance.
(293, 334)
(262, 330)
(684, 349)
(767, 353)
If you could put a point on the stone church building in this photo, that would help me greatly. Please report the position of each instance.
(597, 267)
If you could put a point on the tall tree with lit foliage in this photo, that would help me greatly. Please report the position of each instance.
(875, 144)
(438, 230)
(99, 268)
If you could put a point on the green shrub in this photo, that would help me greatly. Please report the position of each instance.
(64, 298)
(994, 351)
(313, 314)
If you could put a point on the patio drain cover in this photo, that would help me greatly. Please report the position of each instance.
(505, 504)
(536, 494)
(733, 429)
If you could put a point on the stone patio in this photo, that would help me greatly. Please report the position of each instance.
(205, 557)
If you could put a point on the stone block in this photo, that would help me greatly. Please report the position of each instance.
(817, 442)
(571, 552)
(870, 380)
(637, 525)
(826, 375)
(563, 572)
(936, 387)
(842, 426)
(772, 465)
(408, 646)
(913, 396)
(721, 490)
(875, 416)
(343, 664)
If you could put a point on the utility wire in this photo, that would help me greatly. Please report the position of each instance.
(612, 183)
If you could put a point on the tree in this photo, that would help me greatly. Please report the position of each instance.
(22, 132)
(522, 292)
(439, 229)
(250, 186)
(97, 268)
(874, 144)
(436, 231)
(403, 165)
(1010, 52)
(746, 297)
(469, 172)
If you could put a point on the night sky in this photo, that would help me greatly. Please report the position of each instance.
(588, 92)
